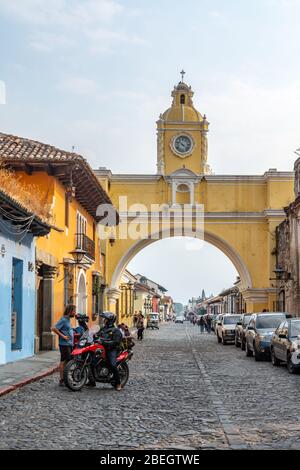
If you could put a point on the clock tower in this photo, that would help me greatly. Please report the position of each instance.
(182, 135)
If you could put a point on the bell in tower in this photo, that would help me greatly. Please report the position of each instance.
(182, 135)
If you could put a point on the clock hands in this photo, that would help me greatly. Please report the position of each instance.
(182, 144)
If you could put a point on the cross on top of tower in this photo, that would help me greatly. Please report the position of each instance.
(182, 73)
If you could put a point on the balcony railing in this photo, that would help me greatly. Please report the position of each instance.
(83, 242)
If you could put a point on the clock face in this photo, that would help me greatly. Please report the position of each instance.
(183, 144)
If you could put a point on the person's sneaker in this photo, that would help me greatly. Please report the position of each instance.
(61, 383)
(118, 387)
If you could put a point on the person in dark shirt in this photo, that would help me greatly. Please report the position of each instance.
(201, 324)
(111, 338)
(140, 327)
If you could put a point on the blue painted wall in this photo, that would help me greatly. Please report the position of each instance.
(24, 251)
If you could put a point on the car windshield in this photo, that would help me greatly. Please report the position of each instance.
(246, 319)
(295, 328)
(266, 322)
(231, 320)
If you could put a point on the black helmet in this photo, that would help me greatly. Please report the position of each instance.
(81, 317)
(109, 316)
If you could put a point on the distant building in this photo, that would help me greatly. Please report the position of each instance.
(228, 301)
(214, 305)
(166, 307)
(287, 269)
(155, 291)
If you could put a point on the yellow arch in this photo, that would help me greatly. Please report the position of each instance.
(218, 242)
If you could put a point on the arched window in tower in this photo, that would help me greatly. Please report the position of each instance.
(183, 188)
(182, 99)
(183, 194)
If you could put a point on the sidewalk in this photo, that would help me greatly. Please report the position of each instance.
(17, 374)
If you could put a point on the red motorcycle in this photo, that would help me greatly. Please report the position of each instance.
(89, 361)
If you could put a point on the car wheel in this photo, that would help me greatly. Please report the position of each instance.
(249, 353)
(223, 340)
(290, 366)
(257, 356)
(219, 339)
(275, 361)
(237, 344)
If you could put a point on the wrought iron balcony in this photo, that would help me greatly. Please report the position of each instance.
(83, 242)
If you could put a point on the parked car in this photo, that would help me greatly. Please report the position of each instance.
(179, 319)
(215, 322)
(226, 327)
(240, 330)
(259, 333)
(285, 345)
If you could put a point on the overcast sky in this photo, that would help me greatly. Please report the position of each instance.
(96, 74)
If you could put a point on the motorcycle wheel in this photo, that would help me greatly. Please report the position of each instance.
(75, 376)
(124, 373)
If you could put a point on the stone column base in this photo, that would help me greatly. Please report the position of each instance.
(112, 295)
(36, 344)
(48, 341)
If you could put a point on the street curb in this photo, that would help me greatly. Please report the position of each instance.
(27, 381)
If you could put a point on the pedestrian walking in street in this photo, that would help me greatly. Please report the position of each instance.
(201, 324)
(135, 318)
(128, 339)
(208, 324)
(65, 333)
(140, 327)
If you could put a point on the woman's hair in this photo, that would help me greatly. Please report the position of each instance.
(69, 308)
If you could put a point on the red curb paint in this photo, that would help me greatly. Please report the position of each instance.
(27, 381)
(5, 390)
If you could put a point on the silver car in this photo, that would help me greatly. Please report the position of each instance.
(259, 333)
(226, 327)
(285, 345)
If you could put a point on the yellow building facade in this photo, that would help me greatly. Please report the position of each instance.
(70, 260)
(240, 212)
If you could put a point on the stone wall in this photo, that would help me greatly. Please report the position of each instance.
(288, 253)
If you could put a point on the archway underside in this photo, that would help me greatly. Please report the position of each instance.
(246, 281)
(256, 296)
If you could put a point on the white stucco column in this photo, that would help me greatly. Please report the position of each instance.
(192, 193)
(174, 188)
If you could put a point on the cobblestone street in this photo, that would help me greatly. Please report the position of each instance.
(185, 392)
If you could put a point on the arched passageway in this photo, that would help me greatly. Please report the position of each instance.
(230, 252)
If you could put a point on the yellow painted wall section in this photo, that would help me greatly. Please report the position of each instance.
(60, 243)
(216, 196)
(192, 162)
(230, 197)
(280, 193)
(247, 229)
